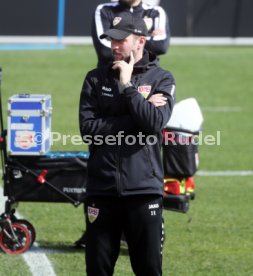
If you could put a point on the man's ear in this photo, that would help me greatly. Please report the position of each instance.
(142, 41)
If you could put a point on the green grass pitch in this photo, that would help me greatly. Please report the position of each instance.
(218, 240)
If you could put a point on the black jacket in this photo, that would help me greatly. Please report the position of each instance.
(104, 15)
(117, 168)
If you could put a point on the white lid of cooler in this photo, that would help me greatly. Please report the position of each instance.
(186, 116)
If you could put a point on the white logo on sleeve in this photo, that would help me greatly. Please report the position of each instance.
(172, 92)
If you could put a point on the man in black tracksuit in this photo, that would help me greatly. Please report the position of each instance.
(155, 17)
(123, 108)
(157, 42)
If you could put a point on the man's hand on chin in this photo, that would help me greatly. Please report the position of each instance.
(126, 69)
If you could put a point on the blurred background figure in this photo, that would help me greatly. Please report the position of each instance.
(152, 2)
(155, 17)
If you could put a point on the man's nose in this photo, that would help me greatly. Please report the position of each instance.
(115, 45)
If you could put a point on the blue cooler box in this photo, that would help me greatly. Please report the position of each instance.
(29, 124)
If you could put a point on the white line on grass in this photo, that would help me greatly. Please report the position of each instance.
(38, 263)
(71, 40)
(224, 173)
(222, 109)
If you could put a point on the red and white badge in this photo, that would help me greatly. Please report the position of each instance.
(144, 90)
(92, 214)
(25, 139)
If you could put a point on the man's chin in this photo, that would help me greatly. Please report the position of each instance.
(118, 57)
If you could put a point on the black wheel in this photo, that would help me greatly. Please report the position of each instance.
(15, 238)
(30, 228)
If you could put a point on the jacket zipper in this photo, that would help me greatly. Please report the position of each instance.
(118, 172)
(149, 159)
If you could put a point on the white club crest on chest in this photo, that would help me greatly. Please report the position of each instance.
(149, 22)
(116, 21)
(144, 90)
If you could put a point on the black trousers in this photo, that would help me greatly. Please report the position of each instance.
(140, 217)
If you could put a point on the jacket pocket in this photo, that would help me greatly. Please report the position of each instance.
(155, 161)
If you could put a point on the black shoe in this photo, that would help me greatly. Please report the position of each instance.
(81, 243)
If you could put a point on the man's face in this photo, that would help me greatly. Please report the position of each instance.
(128, 2)
(121, 49)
